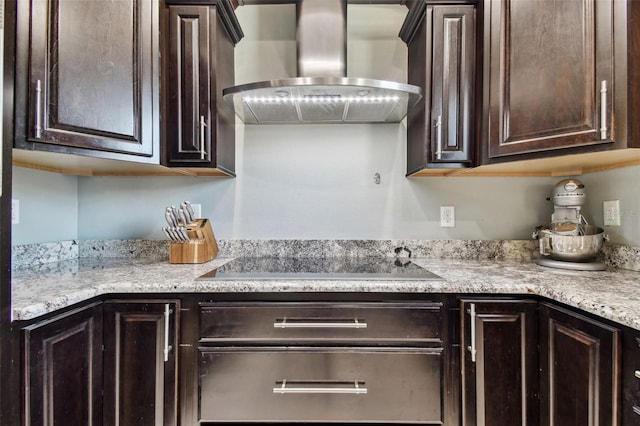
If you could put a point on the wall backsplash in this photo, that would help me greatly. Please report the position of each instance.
(31, 255)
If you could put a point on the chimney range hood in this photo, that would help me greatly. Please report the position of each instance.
(322, 93)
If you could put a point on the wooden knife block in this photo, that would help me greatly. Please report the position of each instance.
(202, 246)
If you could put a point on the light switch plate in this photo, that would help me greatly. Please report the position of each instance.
(611, 210)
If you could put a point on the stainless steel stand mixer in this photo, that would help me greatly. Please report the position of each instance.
(569, 241)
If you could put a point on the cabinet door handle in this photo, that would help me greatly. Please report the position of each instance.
(603, 109)
(637, 374)
(472, 347)
(438, 127)
(344, 387)
(167, 319)
(203, 124)
(284, 323)
(38, 124)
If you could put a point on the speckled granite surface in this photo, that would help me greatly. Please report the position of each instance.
(612, 295)
(27, 256)
(30, 255)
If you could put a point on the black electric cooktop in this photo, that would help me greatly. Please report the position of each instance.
(333, 268)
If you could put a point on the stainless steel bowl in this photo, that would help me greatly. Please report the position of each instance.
(574, 248)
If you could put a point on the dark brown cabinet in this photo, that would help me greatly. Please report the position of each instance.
(88, 78)
(199, 126)
(499, 362)
(140, 362)
(579, 362)
(559, 77)
(630, 376)
(441, 43)
(63, 369)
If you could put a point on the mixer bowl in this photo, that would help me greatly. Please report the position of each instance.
(573, 248)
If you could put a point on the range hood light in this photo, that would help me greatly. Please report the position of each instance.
(321, 99)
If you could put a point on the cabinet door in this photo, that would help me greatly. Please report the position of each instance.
(200, 125)
(630, 377)
(500, 360)
(442, 62)
(579, 361)
(140, 378)
(63, 370)
(92, 78)
(548, 75)
(452, 87)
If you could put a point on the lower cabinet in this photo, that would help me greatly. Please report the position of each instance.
(483, 361)
(499, 362)
(140, 362)
(63, 369)
(630, 377)
(579, 362)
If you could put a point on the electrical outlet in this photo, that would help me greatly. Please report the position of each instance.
(15, 212)
(447, 216)
(197, 210)
(611, 210)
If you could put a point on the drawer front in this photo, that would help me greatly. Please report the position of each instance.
(328, 385)
(316, 322)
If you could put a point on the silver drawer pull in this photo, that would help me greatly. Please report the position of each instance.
(438, 126)
(636, 410)
(603, 109)
(284, 323)
(167, 318)
(472, 348)
(203, 140)
(348, 387)
(637, 374)
(38, 126)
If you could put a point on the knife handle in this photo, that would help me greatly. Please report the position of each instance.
(184, 234)
(189, 209)
(169, 217)
(183, 217)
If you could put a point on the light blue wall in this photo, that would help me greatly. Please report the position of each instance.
(319, 186)
(316, 182)
(48, 206)
(620, 184)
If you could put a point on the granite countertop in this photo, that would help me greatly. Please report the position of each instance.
(610, 294)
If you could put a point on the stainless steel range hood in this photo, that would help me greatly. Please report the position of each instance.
(322, 93)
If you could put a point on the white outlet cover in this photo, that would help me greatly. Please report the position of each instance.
(447, 216)
(197, 210)
(611, 212)
(15, 212)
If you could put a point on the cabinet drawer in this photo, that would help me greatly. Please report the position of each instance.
(320, 385)
(321, 322)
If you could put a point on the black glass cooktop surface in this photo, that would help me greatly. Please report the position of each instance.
(334, 268)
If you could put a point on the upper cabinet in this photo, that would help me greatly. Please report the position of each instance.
(87, 78)
(558, 78)
(199, 125)
(88, 87)
(440, 127)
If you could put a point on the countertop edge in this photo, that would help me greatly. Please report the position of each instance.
(610, 295)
